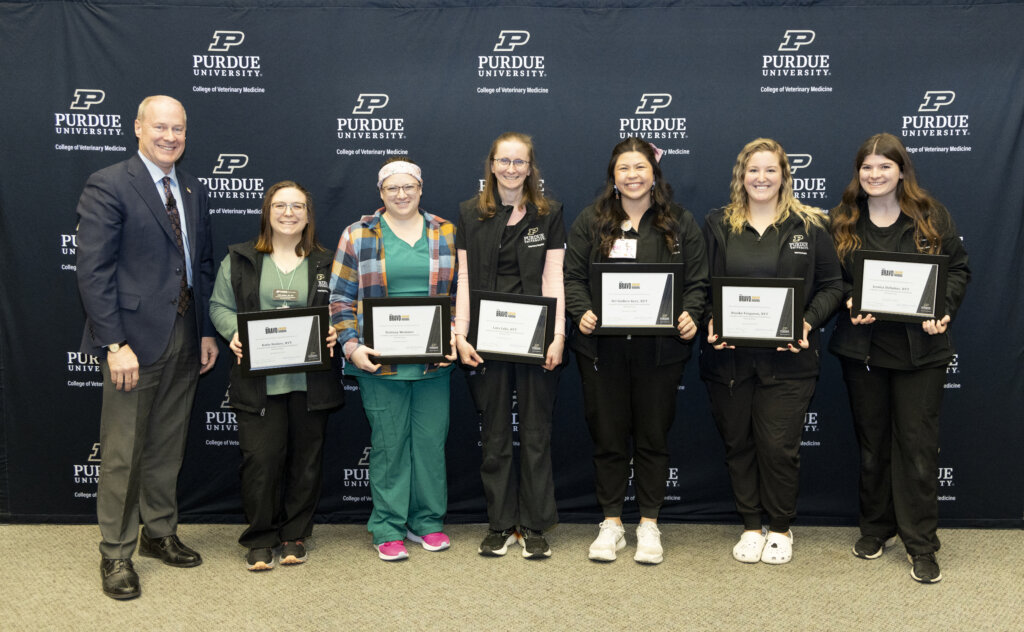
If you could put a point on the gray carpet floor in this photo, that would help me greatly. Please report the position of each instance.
(52, 583)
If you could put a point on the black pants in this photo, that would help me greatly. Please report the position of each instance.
(896, 418)
(761, 420)
(529, 499)
(282, 469)
(627, 396)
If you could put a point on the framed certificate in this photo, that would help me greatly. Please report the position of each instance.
(511, 327)
(637, 298)
(284, 340)
(408, 330)
(899, 286)
(755, 312)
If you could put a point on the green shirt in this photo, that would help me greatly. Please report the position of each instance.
(224, 310)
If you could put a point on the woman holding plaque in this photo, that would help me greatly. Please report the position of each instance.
(281, 418)
(398, 251)
(511, 240)
(630, 381)
(759, 396)
(895, 371)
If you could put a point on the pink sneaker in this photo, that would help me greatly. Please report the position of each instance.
(392, 551)
(437, 541)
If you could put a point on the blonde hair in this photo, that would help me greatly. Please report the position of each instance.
(737, 211)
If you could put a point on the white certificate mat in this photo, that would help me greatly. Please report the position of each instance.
(898, 286)
(408, 330)
(758, 312)
(511, 328)
(284, 340)
(641, 299)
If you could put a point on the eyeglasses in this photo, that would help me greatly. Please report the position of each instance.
(408, 189)
(297, 207)
(518, 164)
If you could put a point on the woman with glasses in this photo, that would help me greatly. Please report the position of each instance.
(398, 251)
(630, 383)
(511, 239)
(759, 396)
(281, 418)
(895, 372)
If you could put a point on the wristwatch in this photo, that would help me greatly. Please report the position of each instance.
(114, 348)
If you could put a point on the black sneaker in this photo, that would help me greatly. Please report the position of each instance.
(260, 559)
(869, 547)
(534, 544)
(925, 569)
(496, 543)
(293, 552)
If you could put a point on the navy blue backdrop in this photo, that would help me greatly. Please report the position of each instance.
(324, 92)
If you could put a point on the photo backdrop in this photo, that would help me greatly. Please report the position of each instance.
(324, 92)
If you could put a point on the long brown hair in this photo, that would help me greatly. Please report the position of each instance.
(308, 243)
(485, 202)
(610, 214)
(736, 212)
(930, 218)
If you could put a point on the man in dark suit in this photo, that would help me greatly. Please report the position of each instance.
(145, 273)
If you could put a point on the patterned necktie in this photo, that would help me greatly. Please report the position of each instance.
(184, 298)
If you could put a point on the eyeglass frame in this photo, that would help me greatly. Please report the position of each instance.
(508, 162)
(281, 207)
(392, 189)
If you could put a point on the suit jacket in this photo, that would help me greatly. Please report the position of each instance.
(128, 264)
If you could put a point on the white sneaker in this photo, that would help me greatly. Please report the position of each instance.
(778, 548)
(612, 538)
(648, 544)
(748, 549)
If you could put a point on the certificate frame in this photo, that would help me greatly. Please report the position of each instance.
(439, 334)
(257, 356)
(791, 314)
(543, 333)
(931, 295)
(673, 283)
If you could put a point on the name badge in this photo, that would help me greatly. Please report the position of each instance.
(623, 249)
(286, 295)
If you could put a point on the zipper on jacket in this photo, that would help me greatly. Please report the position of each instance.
(732, 381)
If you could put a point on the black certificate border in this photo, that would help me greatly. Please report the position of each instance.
(245, 318)
(942, 261)
(796, 284)
(549, 302)
(444, 302)
(597, 270)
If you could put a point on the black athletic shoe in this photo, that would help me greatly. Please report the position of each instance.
(260, 559)
(869, 547)
(925, 569)
(496, 543)
(293, 552)
(534, 544)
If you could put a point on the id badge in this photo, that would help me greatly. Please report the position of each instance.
(623, 249)
(286, 295)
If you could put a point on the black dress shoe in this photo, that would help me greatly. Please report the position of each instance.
(169, 550)
(119, 579)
